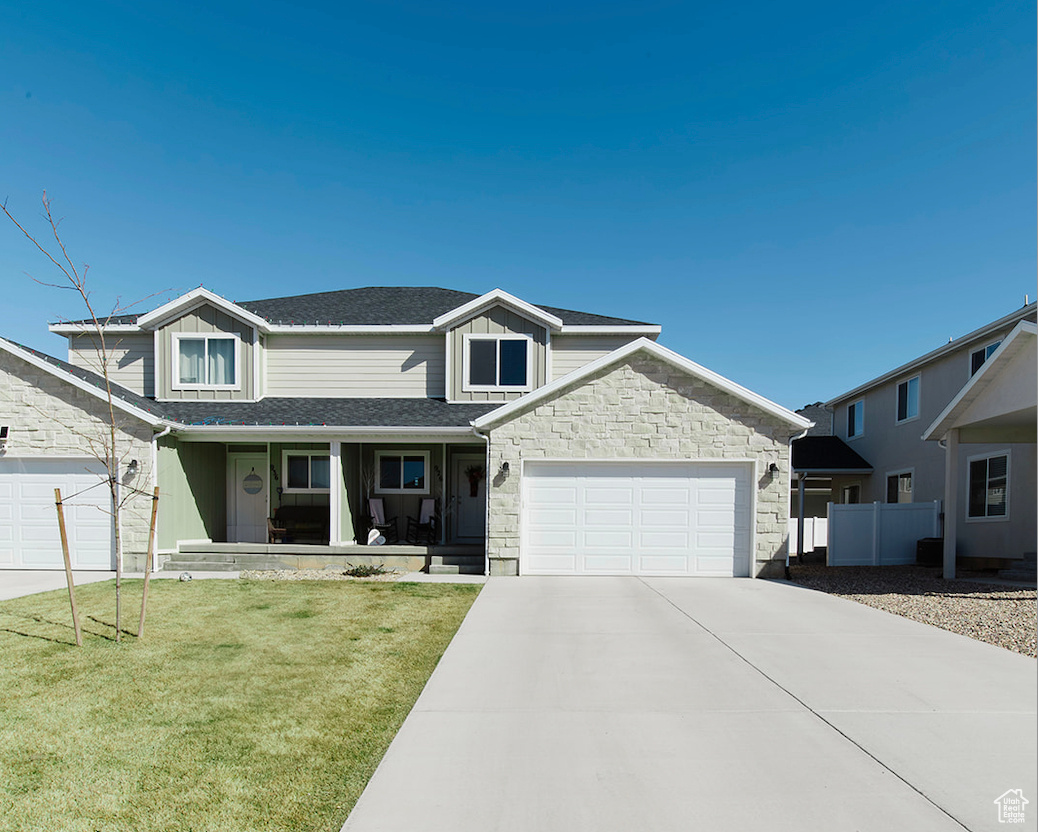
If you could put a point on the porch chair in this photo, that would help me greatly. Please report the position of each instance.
(387, 527)
(423, 528)
(275, 534)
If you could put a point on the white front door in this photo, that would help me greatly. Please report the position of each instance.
(247, 478)
(636, 518)
(469, 497)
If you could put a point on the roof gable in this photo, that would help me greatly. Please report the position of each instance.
(497, 297)
(192, 300)
(1001, 394)
(642, 345)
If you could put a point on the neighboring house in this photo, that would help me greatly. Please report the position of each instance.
(557, 442)
(884, 422)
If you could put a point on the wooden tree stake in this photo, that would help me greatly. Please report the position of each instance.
(147, 563)
(68, 568)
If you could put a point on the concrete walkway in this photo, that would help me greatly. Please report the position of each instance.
(682, 704)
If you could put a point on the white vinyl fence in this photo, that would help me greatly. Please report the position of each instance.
(879, 534)
(816, 533)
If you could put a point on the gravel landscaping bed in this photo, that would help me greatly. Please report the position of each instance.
(313, 575)
(997, 614)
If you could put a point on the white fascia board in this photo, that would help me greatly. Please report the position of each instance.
(980, 379)
(80, 384)
(1009, 320)
(613, 329)
(350, 329)
(657, 351)
(468, 310)
(195, 298)
(79, 329)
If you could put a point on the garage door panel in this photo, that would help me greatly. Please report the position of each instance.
(553, 516)
(554, 494)
(613, 495)
(661, 517)
(608, 564)
(601, 518)
(603, 539)
(664, 496)
(638, 517)
(28, 521)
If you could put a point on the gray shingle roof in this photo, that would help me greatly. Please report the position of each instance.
(374, 413)
(826, 453)
(416, 413)
(383, 306)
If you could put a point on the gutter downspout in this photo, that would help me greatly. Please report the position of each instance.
(155, 484)
(486, 508)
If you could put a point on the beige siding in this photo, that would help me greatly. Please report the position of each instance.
(131, 359)
(206, 319)
(494, 321)
(365, 366)
(571, 352)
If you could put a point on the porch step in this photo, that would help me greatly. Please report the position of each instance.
(456, 564)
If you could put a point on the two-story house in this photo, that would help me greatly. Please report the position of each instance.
(553, 441)
(887, 422)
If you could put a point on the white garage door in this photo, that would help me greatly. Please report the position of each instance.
(636, 518)
(29, 536)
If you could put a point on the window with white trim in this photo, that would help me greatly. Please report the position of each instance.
(988, 486)
(205, 361)
(856, 419)
(497, 362)
(401, 473)
(306, 471)
(899, 487)
(978, 357)
(908, 399)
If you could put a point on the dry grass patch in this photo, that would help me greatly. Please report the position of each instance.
(248, 706)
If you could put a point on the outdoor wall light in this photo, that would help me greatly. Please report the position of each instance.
(773, 468)
(504, 469)
(131, 469)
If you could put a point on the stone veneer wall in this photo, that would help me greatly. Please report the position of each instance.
(642, 409)
(51, 418)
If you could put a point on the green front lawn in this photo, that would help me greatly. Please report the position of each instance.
(248, 705)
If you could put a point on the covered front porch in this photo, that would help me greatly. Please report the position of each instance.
(306, 501)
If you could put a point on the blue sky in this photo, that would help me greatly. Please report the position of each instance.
(803, 196)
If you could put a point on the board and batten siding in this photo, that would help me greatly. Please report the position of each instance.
(204, 320)
(362, 366)
(571, 352)
(131, 361)
(496, 321)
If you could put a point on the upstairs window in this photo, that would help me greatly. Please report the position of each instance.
(978, 357)
(989, 486)
(497, 362)
(908, 399)
(856, 419)
(205, 361)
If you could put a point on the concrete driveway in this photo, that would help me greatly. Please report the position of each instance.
(695, 704)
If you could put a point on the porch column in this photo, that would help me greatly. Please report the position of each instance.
(335, 490)
(951, 499)
(800, 520)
